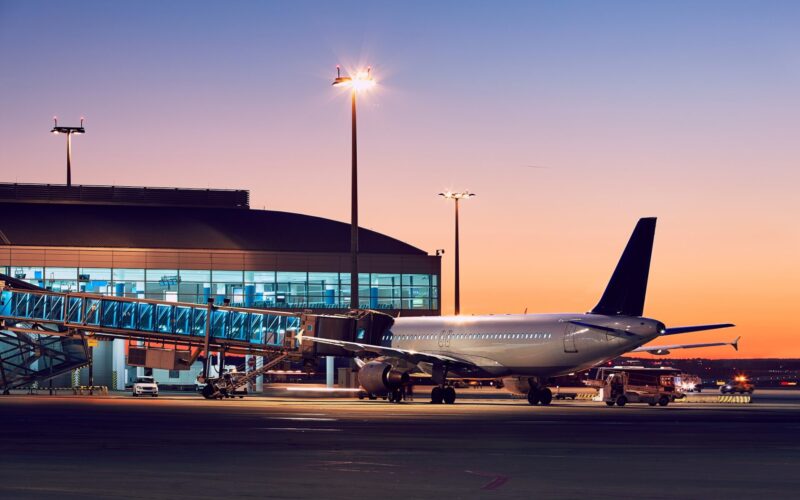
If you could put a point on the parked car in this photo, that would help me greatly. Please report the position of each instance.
(144, 386)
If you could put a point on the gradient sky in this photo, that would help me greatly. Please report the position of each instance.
(688, 111)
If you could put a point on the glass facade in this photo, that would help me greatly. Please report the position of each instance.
(256, 289)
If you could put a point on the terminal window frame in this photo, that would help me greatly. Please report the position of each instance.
(300, 289)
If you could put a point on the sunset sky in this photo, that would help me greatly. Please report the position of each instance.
(570, 120)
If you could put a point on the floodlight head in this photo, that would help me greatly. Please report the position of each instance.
(342, 81)
(61, 129)
(449, 195)
(361, 81)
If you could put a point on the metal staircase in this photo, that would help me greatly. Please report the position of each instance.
(30, 358)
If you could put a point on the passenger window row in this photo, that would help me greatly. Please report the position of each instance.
(470, 336)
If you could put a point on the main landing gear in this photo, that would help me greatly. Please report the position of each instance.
(540, 396)
(538, 393)
(441, 395)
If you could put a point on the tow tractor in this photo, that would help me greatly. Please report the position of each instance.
(621, 385)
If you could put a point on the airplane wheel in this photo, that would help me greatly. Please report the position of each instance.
(395, 397)
(609, 403)
(663, 401)
(449, 395)
(533, 397)
(622, 401)
(545, 396)
(651, 404)
(437, 395)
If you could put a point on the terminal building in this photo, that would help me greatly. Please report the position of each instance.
(190, 245)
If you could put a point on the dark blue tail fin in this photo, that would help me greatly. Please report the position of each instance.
(625, 292)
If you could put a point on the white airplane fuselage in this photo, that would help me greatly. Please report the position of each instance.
(541, 345)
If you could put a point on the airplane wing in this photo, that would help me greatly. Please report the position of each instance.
(665, 349)
(412, 356)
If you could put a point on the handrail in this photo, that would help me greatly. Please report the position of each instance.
(134, 317)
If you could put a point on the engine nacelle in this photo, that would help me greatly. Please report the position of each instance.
(380, 378)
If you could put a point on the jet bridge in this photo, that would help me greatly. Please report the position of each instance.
(44, 333)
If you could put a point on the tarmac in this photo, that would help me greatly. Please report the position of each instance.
(179, 445)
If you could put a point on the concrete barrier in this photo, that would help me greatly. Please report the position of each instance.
(717, 398)
(90, 390)
(83, 390)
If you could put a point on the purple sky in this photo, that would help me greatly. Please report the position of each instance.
(684, 110)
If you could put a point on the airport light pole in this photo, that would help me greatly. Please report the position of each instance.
(362, 81)
(57, 129)
(457, 197)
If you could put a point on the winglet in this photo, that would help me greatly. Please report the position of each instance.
(735, 343)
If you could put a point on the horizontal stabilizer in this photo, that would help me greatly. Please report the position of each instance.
(697, 328)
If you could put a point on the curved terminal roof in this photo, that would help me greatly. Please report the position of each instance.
(125, 226)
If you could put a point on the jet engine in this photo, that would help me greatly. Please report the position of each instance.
(377, 377)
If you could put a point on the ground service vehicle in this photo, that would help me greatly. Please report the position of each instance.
(739, 384)
(686, 382)
(145, 386)
(622, 385)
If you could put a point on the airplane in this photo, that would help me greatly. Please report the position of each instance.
(524, 350)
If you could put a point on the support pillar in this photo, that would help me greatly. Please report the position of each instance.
(260, 378)
(329, 371)
(118, 365)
